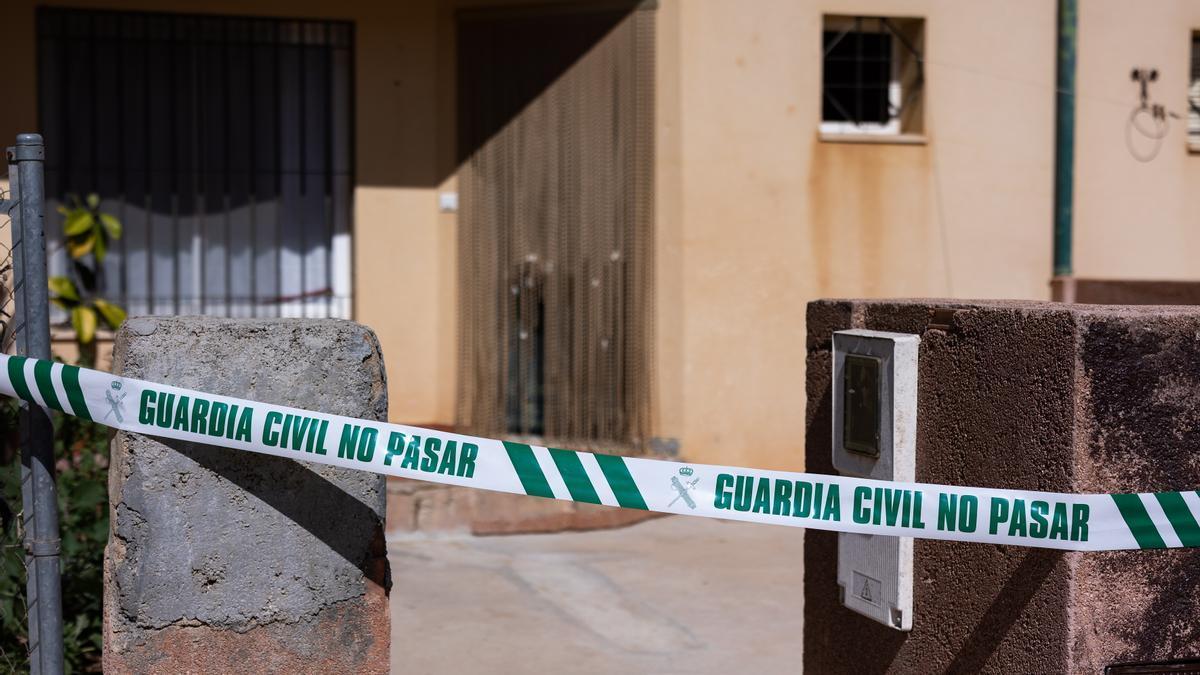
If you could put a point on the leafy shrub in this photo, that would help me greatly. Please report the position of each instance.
(88, 232)
(82, 466)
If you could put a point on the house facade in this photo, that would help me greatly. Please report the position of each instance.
(599, 223)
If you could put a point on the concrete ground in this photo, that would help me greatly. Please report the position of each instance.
(669, 595)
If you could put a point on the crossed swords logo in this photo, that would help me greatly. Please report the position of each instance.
(683, 489)
(116, 402)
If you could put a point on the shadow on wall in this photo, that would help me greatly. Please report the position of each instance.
(304, 498)
(240, 134)
(193, 113)
(508, 57)
(1009, 604)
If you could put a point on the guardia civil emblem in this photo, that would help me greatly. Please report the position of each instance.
(684, 488)
(116, 401)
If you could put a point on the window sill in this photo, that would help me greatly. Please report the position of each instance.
(874, 139)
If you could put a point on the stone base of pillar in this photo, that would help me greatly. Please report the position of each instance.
(227, 561)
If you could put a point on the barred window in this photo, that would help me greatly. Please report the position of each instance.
(223, 144)
(1194, 95)
(872, 75)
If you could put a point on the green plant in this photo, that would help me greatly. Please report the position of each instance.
(88, 232)
(82, 468)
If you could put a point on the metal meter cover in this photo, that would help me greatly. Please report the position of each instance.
(874, 436)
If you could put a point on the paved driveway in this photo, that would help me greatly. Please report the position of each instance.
(670, 595)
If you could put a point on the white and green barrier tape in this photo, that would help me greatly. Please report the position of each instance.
(1084, 522)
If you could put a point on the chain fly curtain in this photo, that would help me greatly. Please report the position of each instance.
(556, 144)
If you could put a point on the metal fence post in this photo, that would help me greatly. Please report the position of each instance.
(39, 495)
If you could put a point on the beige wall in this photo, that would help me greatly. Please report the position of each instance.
(1134, 219)
(402, 271)
(770, 217)
(756, 215)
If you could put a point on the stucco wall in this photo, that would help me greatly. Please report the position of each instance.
(771, 217)
(754, 214)
(403, 262)
(1134, 219)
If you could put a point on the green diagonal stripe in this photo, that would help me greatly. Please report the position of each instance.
(41, 375)
(75, 392)
(1134, 513)
(578, 483)
(16, 373)
(532, 478)
(1181, 517)
(623, 487)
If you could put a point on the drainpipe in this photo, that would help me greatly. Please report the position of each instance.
(1063, 283)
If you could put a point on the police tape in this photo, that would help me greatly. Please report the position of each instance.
(1084, 522)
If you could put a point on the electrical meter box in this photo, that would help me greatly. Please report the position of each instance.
(874, 436)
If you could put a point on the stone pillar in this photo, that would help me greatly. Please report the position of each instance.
(226, 561)
(1035, 396)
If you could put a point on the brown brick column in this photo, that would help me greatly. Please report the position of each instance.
(1036, 396)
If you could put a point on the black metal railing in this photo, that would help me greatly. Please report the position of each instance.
(224, 146)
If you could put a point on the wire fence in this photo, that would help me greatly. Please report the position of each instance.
(12, 555)
(7, 304)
